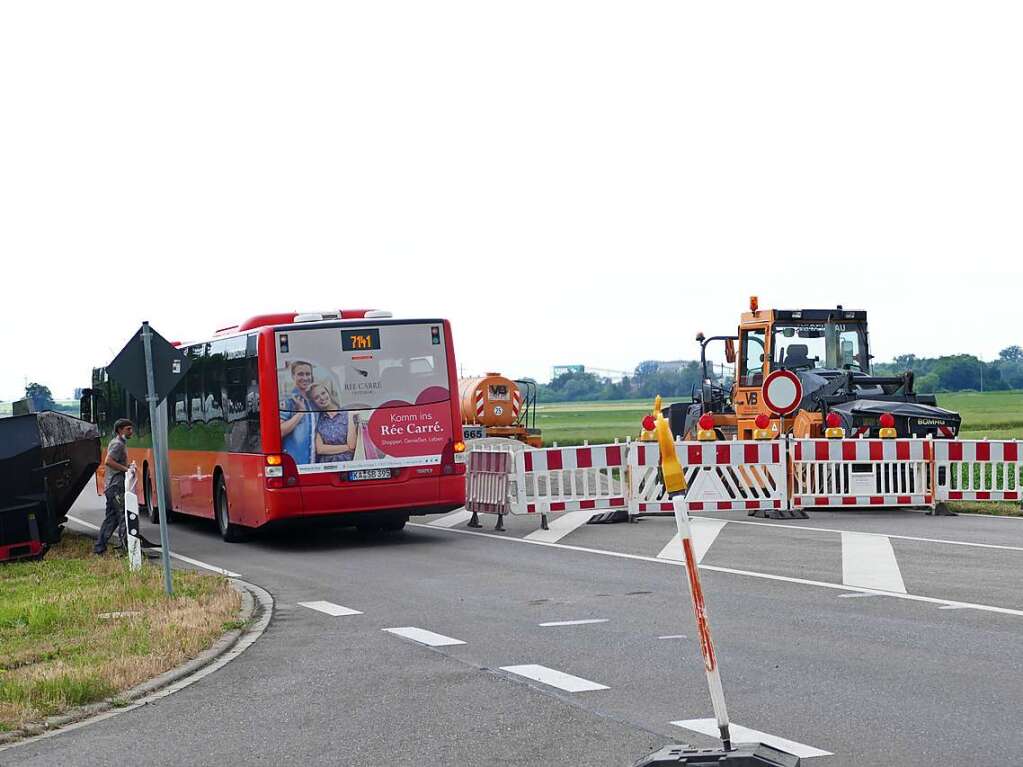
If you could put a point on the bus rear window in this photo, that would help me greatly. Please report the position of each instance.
(361, 367)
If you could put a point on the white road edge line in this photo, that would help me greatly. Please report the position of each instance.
(869, 560)
(554, 678)
(574, 623)
(742, 734)
(174, 555)
(733, 571)
(422, 636)
(673, 636)
(330, 608)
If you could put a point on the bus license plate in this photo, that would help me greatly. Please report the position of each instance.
(355, 476)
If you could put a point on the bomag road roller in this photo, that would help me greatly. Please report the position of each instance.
(827, 349)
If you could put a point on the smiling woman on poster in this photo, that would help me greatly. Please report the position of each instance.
(335, 432)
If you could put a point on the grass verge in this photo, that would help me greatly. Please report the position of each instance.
(76, 628)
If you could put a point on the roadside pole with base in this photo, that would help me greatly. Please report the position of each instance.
(743, 755)
(160, 457)
(131, 521)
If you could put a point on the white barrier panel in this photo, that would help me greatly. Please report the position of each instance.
(858, 473)
(647, 495)
(559, 479)
(734, 475)
(487, 481)
(720, 476)
(978, 470)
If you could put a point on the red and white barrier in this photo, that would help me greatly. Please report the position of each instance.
(720, 476)
(862, 473)
(764, 477)
(978, 470)
(487, 481)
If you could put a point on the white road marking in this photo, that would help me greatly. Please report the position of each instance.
(554, 678)
(575, 623)
(869, 560)
(452, 519)
(742, 734)
(705, 532)
(423, 636)
(673, 636)
(1001, 546)
(859, 594)
(174, 555)
(735, 571)
(330, 608)
(562, 525)
(953, 607)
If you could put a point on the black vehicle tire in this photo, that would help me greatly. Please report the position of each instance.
(147, 497)
(394, 524)
(229, 531)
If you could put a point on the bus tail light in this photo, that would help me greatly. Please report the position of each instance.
(281, 471)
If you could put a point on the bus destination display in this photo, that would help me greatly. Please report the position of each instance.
(363, 339)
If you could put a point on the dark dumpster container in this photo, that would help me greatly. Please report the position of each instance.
(46, 459)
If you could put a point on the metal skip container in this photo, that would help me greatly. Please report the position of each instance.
(46, 459)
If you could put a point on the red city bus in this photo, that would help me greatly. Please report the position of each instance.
(352, 416)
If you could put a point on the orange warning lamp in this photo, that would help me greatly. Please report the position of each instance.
(887, 430)
(648, 423)
(763, 424)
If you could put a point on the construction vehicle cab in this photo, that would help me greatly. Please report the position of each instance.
(828, 350)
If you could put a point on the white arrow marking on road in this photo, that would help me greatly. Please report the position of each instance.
(562, 526)
(554, 678)
(575, 623)
(423, 636)
(705, 532)
(330, 608)
(742, 734)
(869, 561)
(452, 519)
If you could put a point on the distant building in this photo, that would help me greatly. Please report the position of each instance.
(559, 370)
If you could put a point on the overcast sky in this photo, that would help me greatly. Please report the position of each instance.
(568, 182)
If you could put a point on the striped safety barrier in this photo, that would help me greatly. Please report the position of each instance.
(978, 470)
(772, 478)
(547, 481)
(859, 473)
(720, 476)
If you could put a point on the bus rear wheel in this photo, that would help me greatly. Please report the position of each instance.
(147, 497)
(229, 531)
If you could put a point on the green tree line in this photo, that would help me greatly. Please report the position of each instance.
(958, 372)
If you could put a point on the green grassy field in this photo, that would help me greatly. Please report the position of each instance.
(996, 415)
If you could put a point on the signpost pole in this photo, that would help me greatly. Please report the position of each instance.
(160, 457)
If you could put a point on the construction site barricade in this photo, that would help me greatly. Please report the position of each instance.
(978, 470)
(546, 481)
(862, 473)
(720, 476)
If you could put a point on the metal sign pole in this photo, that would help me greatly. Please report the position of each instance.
(160, 457)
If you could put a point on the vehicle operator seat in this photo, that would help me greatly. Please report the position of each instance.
(796, 357)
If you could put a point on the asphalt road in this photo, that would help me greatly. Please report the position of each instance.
(878, 637)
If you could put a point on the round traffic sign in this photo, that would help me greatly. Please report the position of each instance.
(782, 392)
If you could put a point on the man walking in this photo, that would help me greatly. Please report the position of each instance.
(113, 485)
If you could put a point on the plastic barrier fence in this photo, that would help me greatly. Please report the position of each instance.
(778, 478)
(487, 481)
(978, 470)
(858, 473)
